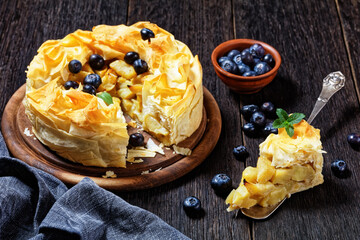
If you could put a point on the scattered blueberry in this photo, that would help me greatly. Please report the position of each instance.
(339, 168)
(246, 57)
(354, 140)
(221, 183)
(242, 68)
(96, 62)
(130, 57)
(269, 60)
(270, 129)
(71, 84)
(192, 206)
(146, 34)
(237, 59)
(229, 66)
(258, 119)
(140, 66)
(248, 110)
(89, 89)
(250, 130)
(257, 50)
(233, 53)
(93, 79)
(261, 68)
(269, 109)
(136, 140)
(249, 74)
(75, 66)
(223, 59)
(240, 153)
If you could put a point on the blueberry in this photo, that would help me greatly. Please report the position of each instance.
(258, 119)
(93, 79)
(257, 50)
(339, 168)
(140, 66)
(192, 205)
(75, 66)
(136, 140)
(89, 89)
(249, 74)
(229, 66)
(242, 68)
(233, 53)
(248, 110)
(246, 57)
(354, 140)
(223, 59)
(269, 60)
(237, 59)
(130, 57)
(269, 109)
(146, 34)
(240, 153)
(96, 62)
(221, 183)
(269, 129)
(71, 84)
(250, 130)
(256, 60)
(261, 68)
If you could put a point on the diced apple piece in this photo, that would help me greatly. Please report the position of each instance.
(137, 89)
(126, 104)
(229, 199)
(302, 172)
(123, 69)
(126, 93)
(265, 170)
(259, 189)
(281, 176)
(250, 174)
(274, 197)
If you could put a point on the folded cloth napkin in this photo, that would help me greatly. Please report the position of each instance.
(36, 205)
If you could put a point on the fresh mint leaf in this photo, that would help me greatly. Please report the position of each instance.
(283, 116)
(286, 121)
(279, 124)
(295, 118)
(106, 97)
(290, 130)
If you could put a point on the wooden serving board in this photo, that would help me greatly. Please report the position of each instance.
(162, 168)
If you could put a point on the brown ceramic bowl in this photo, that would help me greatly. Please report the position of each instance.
(237, 83)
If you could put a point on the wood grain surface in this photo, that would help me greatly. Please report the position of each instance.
(314, 38)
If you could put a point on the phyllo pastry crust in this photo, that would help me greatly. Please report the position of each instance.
(166, 100)
(286, 165)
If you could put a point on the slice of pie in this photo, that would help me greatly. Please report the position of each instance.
(286, 165)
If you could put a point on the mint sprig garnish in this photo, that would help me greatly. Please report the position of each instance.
(286, 121)
(106, 97)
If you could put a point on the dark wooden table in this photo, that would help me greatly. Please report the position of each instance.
(314, 38)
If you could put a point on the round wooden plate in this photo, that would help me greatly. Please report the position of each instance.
(162, 168)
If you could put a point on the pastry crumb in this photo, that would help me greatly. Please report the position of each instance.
(27, 132)
(182, 151)
(152, 146)
(109, 174)
(145, 172)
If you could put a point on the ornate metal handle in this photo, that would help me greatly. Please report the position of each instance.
(331, 84)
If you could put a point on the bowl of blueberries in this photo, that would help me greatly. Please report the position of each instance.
(246, 65)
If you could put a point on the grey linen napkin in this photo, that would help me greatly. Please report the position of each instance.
(36, 205)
